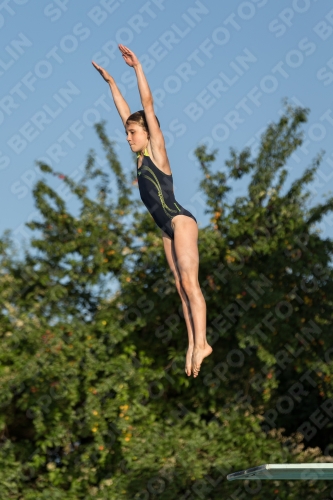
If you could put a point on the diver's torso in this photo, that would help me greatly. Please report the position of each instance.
(156, 191)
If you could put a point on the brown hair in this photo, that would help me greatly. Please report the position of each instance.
(139, 117)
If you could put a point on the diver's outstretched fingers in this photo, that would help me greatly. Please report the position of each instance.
(107, 77)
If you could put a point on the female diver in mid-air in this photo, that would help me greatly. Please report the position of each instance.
(178, 226)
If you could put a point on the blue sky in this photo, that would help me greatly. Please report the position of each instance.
(218, 72)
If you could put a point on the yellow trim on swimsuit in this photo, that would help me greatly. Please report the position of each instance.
(145, 153)
(155, 181)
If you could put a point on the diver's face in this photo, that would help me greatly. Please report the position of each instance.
(136, 137)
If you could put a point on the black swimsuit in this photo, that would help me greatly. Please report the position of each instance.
(156, 192)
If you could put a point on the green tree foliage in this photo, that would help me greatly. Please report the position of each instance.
(94, 400)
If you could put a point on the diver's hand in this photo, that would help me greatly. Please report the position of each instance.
(107, 77)
(129, 56)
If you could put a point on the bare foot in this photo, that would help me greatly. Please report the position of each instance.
(198, 356)
(188, 362)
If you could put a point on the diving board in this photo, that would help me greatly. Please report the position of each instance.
(307, 472)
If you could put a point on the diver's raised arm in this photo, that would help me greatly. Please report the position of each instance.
(155, 133)
(120, 103)
(131, 59)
